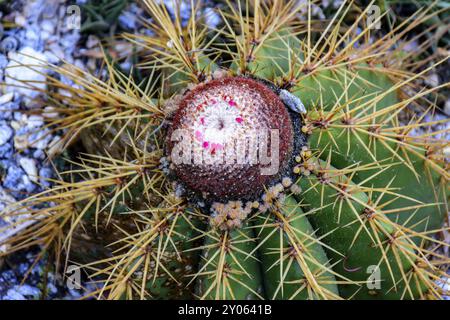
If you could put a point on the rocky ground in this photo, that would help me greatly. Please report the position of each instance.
(32, 33)
(35, 32)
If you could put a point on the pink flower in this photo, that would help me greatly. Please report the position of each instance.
(216, 146)
(239, 120)
(198, 135)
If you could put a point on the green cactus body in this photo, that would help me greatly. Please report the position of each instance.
(174, 279)
(292, 258)
(296, 269)
(407, 169)
(341, 210)
(228, 271)
(417, 185)
(164, 260)
(338, 92)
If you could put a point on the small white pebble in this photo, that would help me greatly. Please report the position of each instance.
(447, 107)
(6, 98)
(29, 166)
(35, 121)
(5, 133)
(25, 74)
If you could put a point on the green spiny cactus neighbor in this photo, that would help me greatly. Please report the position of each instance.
(362, 192)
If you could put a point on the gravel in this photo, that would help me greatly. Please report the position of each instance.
(11, 287)
(18, 70)
(42, 35)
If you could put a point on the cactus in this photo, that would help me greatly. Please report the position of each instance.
(100, 15)
(355, 191)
